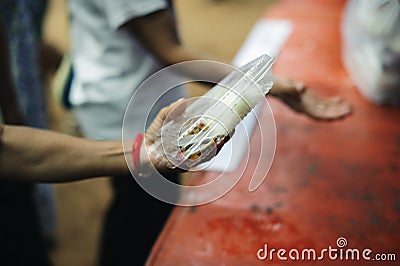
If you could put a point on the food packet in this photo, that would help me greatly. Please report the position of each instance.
(201, 130)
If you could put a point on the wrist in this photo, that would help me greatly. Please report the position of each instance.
(144, 161)
(276, 90)
(141, 161)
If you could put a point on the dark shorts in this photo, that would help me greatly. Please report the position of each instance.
(21, 241)
(133, 223)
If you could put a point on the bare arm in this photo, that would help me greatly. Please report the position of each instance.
(45, 156)
(157, 33)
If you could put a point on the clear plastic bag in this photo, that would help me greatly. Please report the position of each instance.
(200, 131)
(371, 48)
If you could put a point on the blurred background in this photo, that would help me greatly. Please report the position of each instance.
(81, 205)
(328, 180)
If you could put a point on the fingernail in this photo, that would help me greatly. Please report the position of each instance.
(299, 86)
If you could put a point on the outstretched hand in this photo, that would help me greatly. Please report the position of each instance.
(298, 98)
(157, 158)
(155, 154)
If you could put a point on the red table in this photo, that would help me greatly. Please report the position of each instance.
(328, 180)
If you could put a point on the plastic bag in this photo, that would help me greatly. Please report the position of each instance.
(371, 48)
(200, 131)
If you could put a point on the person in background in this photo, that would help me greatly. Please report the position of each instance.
(116, 45)
(23, 103)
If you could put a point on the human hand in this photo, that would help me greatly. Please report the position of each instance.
(296, 95)
(152, 152)
(149, 154)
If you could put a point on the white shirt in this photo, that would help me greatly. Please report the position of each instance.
(109, 64)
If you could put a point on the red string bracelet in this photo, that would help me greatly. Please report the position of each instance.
(137, 142)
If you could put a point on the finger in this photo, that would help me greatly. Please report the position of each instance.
(332, 111)
(299, 86)
(161, 118)
(176, 109)
(286, 86)
(336, 99)
(324, 109)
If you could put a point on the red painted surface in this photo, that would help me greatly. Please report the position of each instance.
(328, 179)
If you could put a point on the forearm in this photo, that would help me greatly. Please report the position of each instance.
(286, 88)
(167, 48)
(213, 72)
(44, 156)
